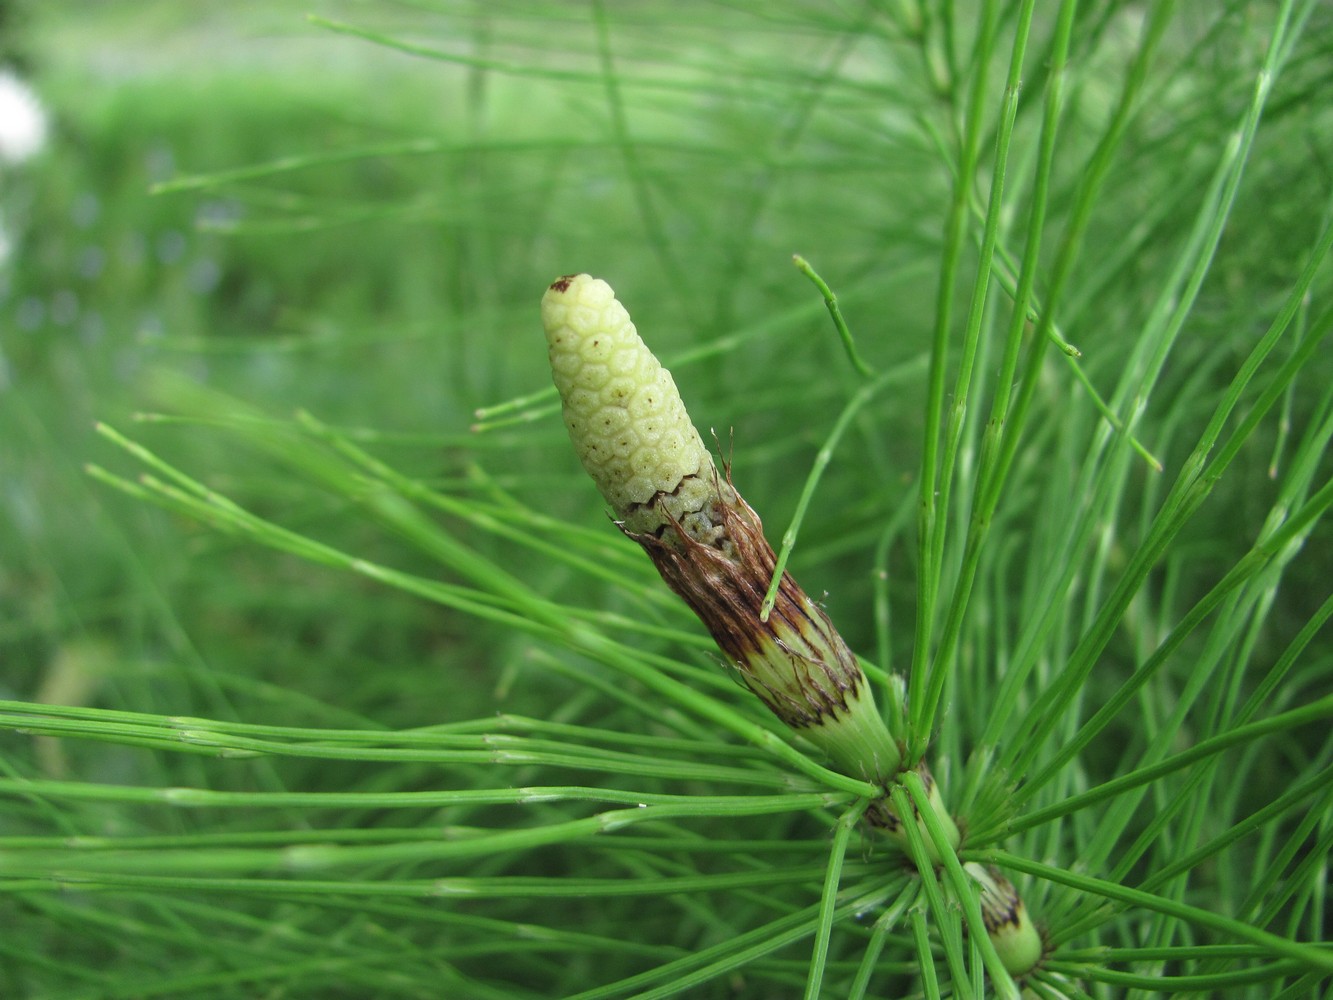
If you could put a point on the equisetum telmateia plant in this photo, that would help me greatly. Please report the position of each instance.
(633, 436)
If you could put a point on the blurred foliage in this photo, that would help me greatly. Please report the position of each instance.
(113, 283)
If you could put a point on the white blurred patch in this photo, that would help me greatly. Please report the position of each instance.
(23, 123)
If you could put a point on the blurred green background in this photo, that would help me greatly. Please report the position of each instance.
(305, 220)
(246, 210)
(366, 288)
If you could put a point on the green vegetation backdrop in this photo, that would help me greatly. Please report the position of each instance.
(323, 673)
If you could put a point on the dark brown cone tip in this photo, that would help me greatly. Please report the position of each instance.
(724, 583)
(1002, 907)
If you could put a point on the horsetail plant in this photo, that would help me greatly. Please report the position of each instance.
(635, 439)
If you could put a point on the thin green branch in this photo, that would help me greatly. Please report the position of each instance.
(945, 914)
(930, 527)
(1203, 750)
(835, 311)
(1311, 956)
(849, 412)
(829, 898)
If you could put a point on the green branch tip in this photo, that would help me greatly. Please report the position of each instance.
(835, 311)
